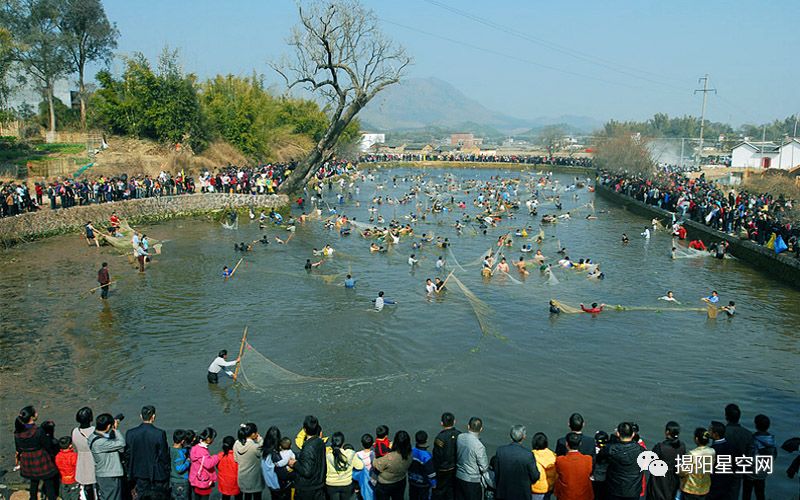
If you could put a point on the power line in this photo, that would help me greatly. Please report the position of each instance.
(512, 57)
(619, 68)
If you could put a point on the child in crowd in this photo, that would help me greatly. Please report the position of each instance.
(382, 445)
(179, 465)
(286, 450)
(67, 463)
(365, 480)
(228, 471)
(421, 474)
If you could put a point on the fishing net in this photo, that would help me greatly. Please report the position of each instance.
(124, 243)
(620, 308)
(551, 277)
(712, 311)
(513, 279)
(260, 372)
(235, 225)
(454, 260)
(481, 310)
(690, 253)
(565, 308)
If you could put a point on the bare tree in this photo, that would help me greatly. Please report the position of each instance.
(340, 54)
(551, 137)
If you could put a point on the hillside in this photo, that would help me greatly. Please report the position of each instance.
(417, 103)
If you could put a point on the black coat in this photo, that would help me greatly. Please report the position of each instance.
(623, 477)
(665, 488)
(311, 465)
(587, 446)
(147, 452)
(515, 472)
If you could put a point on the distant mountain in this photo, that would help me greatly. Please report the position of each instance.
(418, 103)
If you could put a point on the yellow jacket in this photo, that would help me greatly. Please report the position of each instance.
(546, 463)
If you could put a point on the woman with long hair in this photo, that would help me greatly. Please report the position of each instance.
(84, 474)
(36, 449)
(393, 469)
(340, 465)
(274, 465)
(247, 453)
(203, 468)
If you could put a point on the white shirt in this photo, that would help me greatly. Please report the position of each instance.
(439, 264)
(218, 364)
(379, 304)
(412, 261)
(646, 234)
(430, 288)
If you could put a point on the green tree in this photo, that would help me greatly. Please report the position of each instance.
(162, 105)
(88, 37)
(38, 43)
(6, 62)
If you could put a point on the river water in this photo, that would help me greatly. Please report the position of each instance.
(153, 339)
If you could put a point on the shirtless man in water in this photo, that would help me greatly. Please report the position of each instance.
(521, 266)
(503, 265)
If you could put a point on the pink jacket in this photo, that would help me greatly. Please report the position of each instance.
(203, 467)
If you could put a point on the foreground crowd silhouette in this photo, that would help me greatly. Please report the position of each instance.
(98, 461)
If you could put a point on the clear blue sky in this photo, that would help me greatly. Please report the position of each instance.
(527, 58)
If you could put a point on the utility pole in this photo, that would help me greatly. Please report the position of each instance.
(705, 90)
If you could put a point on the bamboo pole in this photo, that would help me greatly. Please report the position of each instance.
(445, 281)
(241, 349)
(99, 287)
(235, 268)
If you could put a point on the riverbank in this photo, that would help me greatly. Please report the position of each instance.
(487, 165)
(46, 222)
(782, 267)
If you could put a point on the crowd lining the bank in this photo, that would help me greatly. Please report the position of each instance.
(98, 461)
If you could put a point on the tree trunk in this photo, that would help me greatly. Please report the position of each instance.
(52, 108)
(310, 164)
(82, 96)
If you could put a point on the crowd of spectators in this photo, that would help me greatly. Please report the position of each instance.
(21, 197)
(98, 461)
(479, 158)
(759, 217)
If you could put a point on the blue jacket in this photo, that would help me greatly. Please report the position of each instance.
(421, 473)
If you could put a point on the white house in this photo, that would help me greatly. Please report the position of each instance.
(368, 140)
(766, 154)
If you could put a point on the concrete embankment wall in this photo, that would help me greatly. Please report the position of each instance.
(783, 267)
(46, 222)
(478, 164)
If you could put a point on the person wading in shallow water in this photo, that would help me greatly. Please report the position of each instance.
(104, 279)
(216, 366)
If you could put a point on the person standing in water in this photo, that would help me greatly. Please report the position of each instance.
(349, 282)
(380, 301)
(220, 362)
(104, 278)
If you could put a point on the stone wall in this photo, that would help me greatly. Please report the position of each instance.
(783, 267)
(46, 222)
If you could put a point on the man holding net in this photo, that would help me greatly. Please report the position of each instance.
(219, 363)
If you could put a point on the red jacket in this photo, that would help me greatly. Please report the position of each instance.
(228, 475)
(573, 471)
(67, 462)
